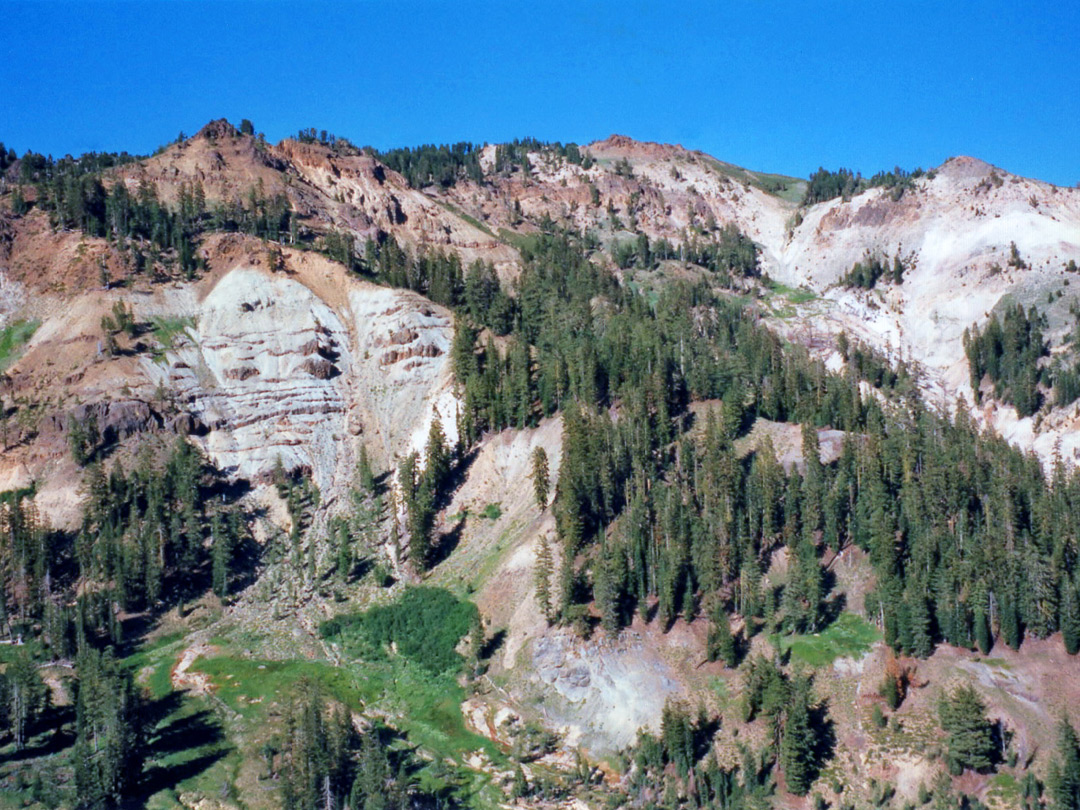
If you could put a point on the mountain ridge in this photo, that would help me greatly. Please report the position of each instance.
(298, 311)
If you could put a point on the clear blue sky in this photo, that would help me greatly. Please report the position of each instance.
(777, 86)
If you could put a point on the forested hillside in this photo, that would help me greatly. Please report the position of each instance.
(490, 475)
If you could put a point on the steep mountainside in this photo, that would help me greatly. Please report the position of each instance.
(497, 469)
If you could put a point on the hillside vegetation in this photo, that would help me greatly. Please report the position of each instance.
(534, 473)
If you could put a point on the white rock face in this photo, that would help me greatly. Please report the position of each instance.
(950, 232)
(610, 691)
(953, 233)
(276, 371)
(403, 377)
(274, 355)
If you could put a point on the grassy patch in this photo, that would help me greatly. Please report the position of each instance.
(793, 295)
(791, 189)
(493, 511)
(1000, 663)
(166, 329)
(779, 185)
(244, 684)
(426, 707)
(520, 241)
(1004, 791)
(453, 209)
(156, 660)
(477, 224)
(13, 337)
(850, 636)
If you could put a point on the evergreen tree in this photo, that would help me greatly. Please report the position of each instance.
(970, 738)
(314, 751)
(540, 477)
(221, 554)
(608, 588)
(798, 743)
(1070, 618)
(26, 696)
(476, 646)
(108, 744)
(677, 735)
(437, 458)
(983, 636)
(543, 572)
(1009, 622)
(364, 471)
(344, 551)
(721, 643)
(1064, 777)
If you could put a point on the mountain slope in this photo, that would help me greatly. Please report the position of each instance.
(292, 363)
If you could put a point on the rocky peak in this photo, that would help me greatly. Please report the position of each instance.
(218, 128)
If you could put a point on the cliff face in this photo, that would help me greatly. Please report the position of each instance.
(299, 365)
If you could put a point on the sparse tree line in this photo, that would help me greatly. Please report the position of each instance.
(322, 761)
(827, 185)
(1008, 351)
(866, 273)
(151, 236)
(151, 536)
(729, 253)
(445, 165)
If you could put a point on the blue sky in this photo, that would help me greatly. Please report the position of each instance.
(773, 86)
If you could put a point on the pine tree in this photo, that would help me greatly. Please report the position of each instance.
(970, 735)
(221, 553)
(476, 646)
(813, 482)
(540, 477)
(343, 546)
(1064, 777)
(26, 696)
(890, 691)
(721, 643)
(1070, 618)
(610, 579)
(519, 788)
(568, 581)
(437, 458)
(364, 471)
(677, 734)
(1009, 622)
(542, 576)
(983, 636)
(919, 621)
(108, 743)
(799, 741)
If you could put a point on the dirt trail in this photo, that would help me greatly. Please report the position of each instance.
(183, 679)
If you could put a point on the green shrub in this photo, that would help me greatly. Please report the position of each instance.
(879, 717)
(12, 339)
(425, 625)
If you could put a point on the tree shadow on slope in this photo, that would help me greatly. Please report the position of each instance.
(174, 734)
(824, 738)
(448, 541)
(455, 479)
